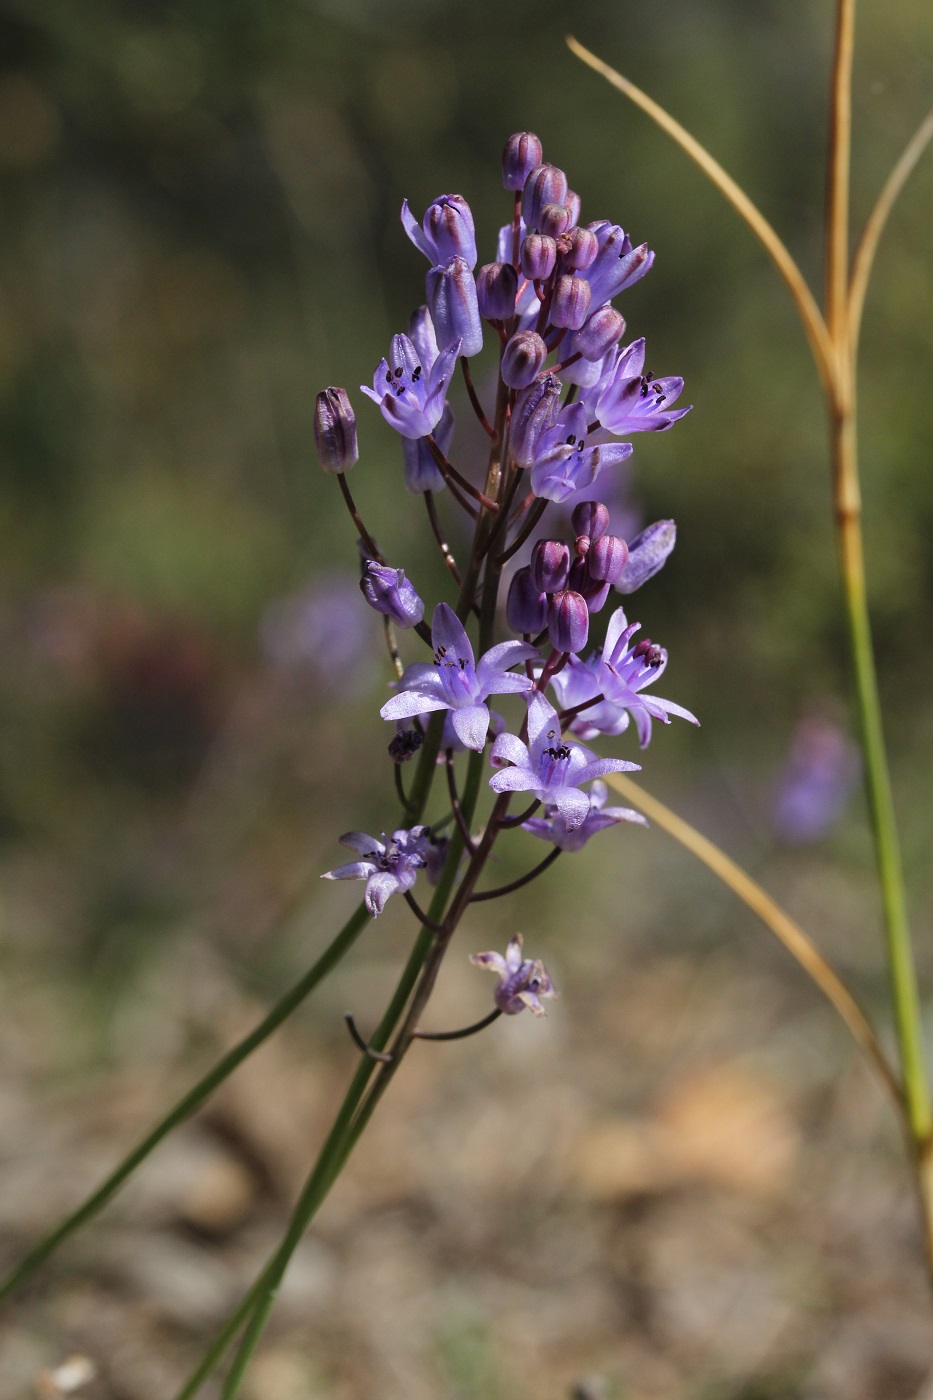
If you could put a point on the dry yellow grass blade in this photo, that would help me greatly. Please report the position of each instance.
(810, 314)
(790, 934)
(874, 227)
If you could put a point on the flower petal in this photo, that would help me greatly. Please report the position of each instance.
(471, 724)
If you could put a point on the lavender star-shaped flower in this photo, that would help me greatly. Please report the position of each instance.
(564, 463)
(624, 671)
(411, 397)
(522, 982)
(456, 683)
(548, 766)
(388, 866)
(631, 401)
(551, 826)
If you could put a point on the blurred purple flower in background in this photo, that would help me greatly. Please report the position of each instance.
(322, 635)
(816, 782)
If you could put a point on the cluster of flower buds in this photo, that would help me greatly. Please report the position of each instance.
(568, 398)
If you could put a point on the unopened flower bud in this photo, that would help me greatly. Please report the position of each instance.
(522, 153)
(599, 333)
(390, 593)
(448, 224)
(554, 219)
(572, 201)
(335, 430)
(590, 518)
(496, 286)
(454, 310)
(647, 553)
(445, 232)
(590, 589)
(580, 246)
(523, 359)
(607, 558)
(538, 256)
(568, 621)
(535, 410)
(546, 184)
(525, 607)
(571, 302)
(550, 565)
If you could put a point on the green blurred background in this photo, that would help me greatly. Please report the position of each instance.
(200, 230)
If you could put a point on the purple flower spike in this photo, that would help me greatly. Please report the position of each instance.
(454, 683)
(551, 826)
(390, 593)
(521, 982)
(647, 554)
(625, 670)
(446, 230)
(617, 264)
(563, 463)
(410, 396)
(454, 307)
(635, 402)
(388, 866)
(549, 767)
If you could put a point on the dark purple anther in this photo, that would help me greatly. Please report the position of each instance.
(525, 607)
(590, 518)
(335, 430)
(523, 359)
(546, 184)
(647, 553)
(522, 153)
(535, 411)
(599, 333)
(568, 621)
(390, 593)
(496, 286)
(550, 565)
(571, 302)
(607, 559)
(554, 219)
(454, 310)
(578, 249)
(538, 257)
